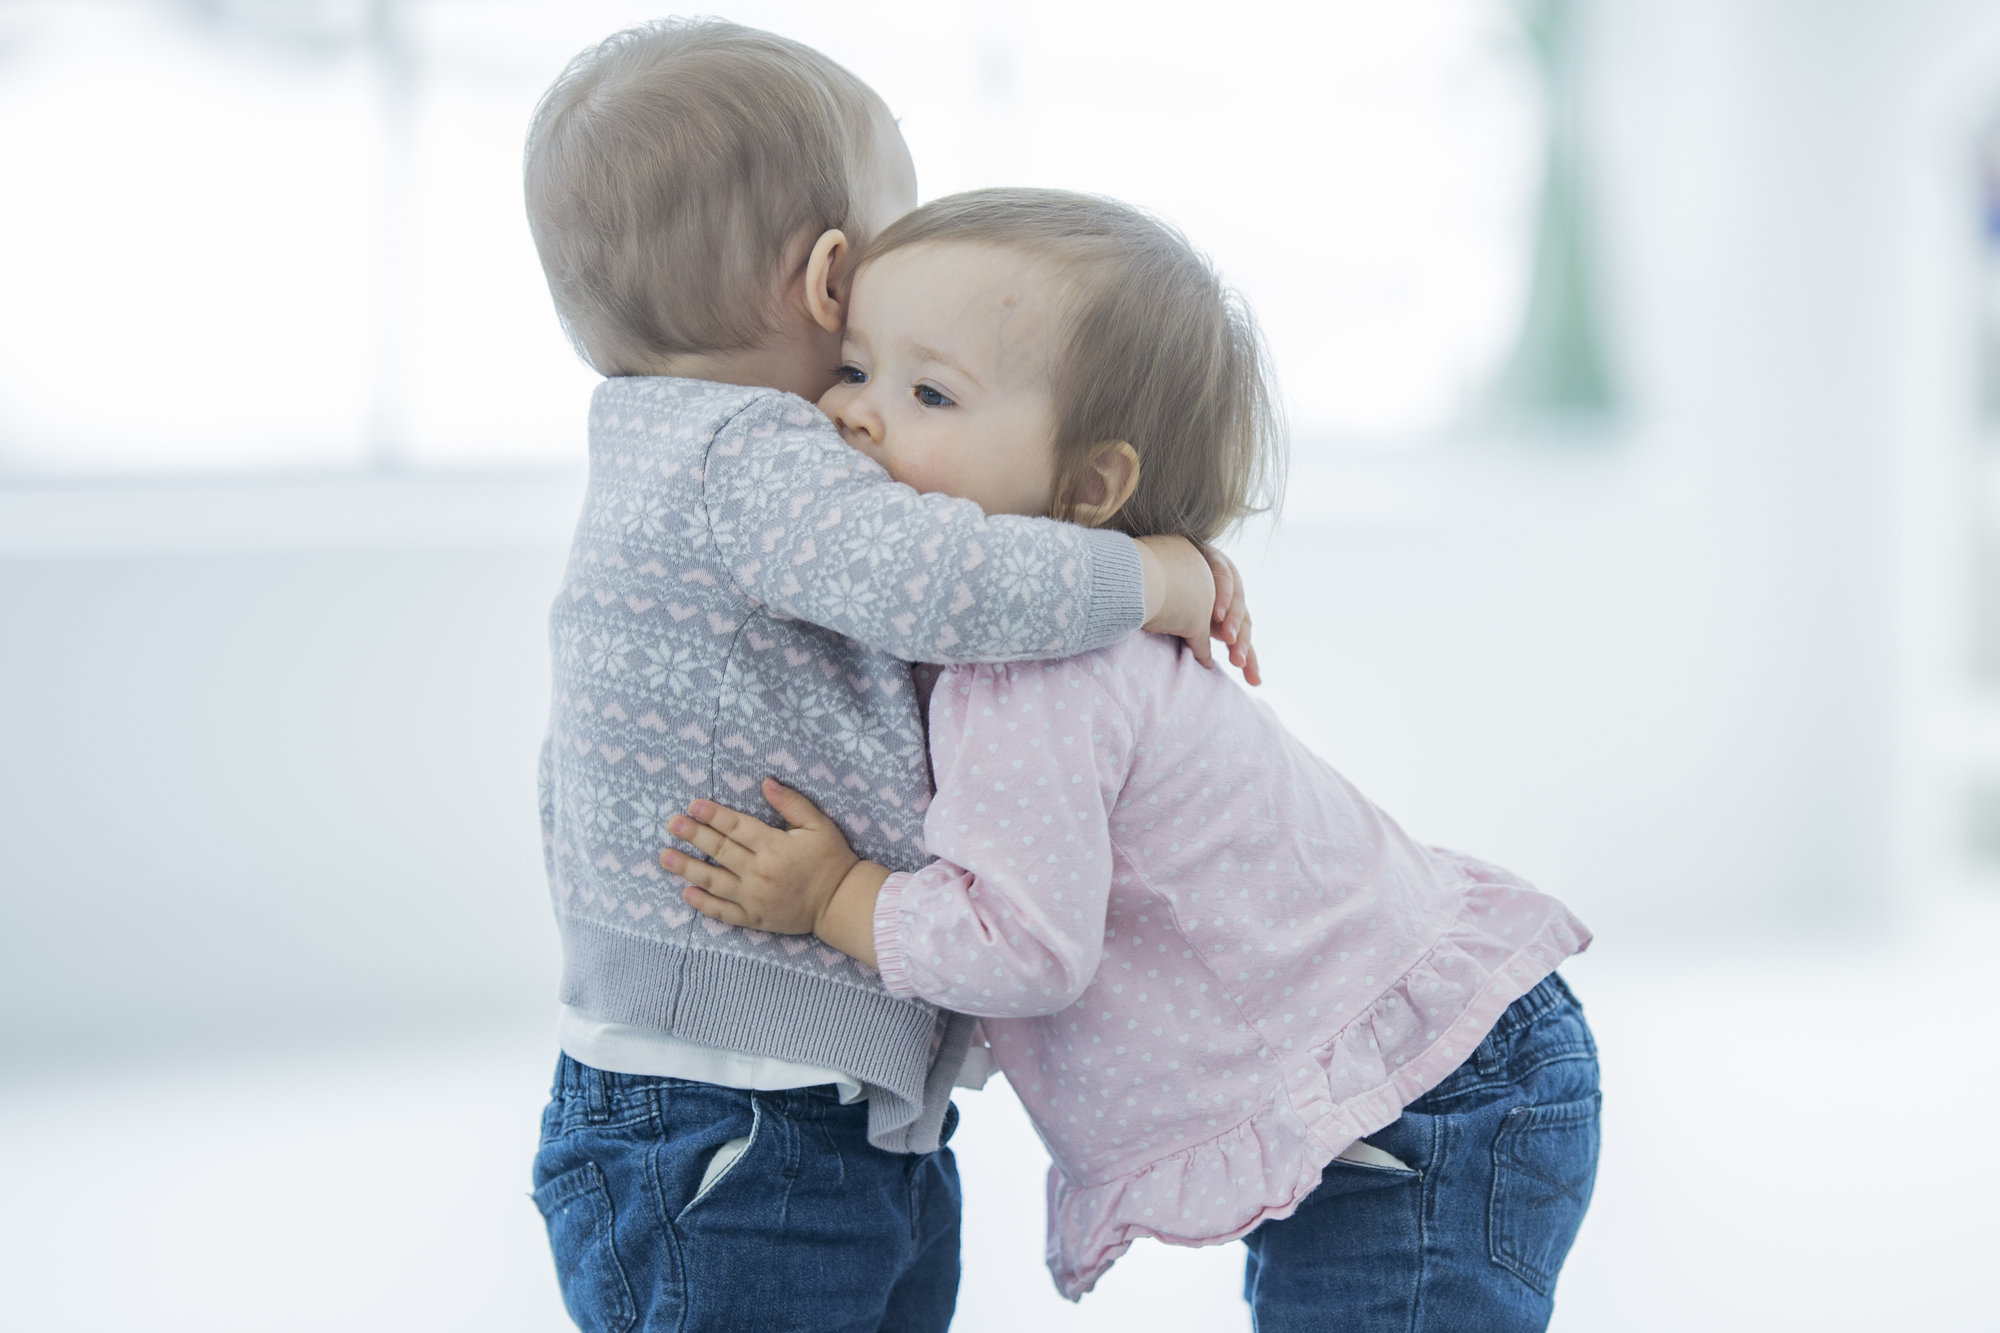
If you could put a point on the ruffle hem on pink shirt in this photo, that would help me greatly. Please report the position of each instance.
(1421, 1028)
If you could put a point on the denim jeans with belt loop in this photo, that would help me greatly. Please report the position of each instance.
(1466, 1230)
(690, 1207)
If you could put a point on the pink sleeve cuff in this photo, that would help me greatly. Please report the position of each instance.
(889, 958)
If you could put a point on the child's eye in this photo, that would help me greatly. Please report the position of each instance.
(850, 374)
(930, 397)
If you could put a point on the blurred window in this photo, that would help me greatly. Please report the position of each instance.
(274, 233)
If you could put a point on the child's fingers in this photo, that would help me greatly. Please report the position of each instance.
(726, 850)
(1237, 623)
(711, 906)
(1199, 643)
(732, 824)
(1250, 672)
(1226, 586)
(699, 872)
(797, 810)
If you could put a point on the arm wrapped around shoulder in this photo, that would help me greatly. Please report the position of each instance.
(819, 532)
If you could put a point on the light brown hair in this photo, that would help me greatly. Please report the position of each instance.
(667, 169)
(1154, 350)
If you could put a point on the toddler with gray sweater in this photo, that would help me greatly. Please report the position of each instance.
(747, 1129)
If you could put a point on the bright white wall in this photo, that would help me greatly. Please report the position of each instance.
(270, 760)
(257, 788)
(266, 774)
(259, 778)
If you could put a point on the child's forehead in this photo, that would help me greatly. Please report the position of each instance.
(990, 308)
(945, 271)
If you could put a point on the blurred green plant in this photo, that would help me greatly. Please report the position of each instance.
(1557, 364)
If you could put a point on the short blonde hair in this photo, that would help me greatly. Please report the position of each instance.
(667, 169)
(1154, 350)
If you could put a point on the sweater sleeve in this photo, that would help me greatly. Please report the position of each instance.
(1009, 921)
(820, 533)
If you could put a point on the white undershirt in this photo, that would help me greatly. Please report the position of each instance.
(623, 1048)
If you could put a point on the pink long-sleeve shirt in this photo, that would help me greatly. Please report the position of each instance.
(1206, 963)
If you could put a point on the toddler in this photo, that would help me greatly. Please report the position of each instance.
(1236, 998)
(746, 1128)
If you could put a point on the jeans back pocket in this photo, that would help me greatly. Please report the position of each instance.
(577, 1207)
(1544, 1163)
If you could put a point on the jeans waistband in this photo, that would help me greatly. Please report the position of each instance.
(602, 1086)
(1548, 993)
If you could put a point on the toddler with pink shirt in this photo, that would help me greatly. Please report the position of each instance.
(1236, 998)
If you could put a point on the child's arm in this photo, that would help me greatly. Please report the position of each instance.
(1010, 922)
(817, 531)
(804, 880)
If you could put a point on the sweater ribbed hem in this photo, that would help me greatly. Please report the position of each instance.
(894, 966)
(1117, 589)
(742, 1003)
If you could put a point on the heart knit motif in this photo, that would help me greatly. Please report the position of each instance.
(740, 517)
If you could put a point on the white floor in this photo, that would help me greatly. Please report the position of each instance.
(1805, 1142)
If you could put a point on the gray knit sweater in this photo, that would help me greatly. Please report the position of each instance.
(743, 597)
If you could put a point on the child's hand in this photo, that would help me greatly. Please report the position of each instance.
(764, 878)
(1199, 596)
(1232, 615)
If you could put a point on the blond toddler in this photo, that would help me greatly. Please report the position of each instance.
(1237, 999)
(746, 1129)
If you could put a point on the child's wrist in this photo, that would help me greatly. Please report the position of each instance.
(1179, 586)
(1153, 579)
(847, 919)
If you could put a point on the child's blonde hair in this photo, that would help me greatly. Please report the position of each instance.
(1154, 350)
(667, 169)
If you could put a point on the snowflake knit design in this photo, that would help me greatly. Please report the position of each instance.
(733, 564)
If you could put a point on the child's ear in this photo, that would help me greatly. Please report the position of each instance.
(826, 279)
(1106, 484)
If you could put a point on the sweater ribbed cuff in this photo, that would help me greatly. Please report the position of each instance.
(1117, 594)
(890, 960)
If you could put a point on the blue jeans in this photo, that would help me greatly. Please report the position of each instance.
(809, 1228)
(1500, 1158)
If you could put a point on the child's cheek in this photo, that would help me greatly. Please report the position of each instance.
(929, 474)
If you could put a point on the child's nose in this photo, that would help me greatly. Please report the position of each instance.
(854, 412)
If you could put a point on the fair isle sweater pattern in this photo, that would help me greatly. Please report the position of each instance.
(743, 598)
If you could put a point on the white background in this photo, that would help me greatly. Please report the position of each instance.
(275, 962)
(295, 236)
